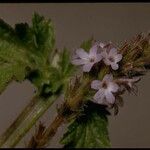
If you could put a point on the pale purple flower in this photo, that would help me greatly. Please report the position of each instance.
(105, 88)
(100, 44)
(87, 60)
(111, 58)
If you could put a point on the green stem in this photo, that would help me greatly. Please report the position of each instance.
(73, 104)
(26, 120)
(17, 122)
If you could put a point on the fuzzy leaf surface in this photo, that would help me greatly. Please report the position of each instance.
(89, 130)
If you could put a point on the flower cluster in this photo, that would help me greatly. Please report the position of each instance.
(108, 88)
(97, 53)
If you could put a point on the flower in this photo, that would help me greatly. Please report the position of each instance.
(100, 44)
(87, 60)
(105, 88)
(111, 58)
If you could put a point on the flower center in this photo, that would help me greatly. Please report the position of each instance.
(104, 85)
(111, 59)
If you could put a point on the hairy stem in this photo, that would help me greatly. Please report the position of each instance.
(17, 122)
(72, 103)
(51, 130)
(25, 121)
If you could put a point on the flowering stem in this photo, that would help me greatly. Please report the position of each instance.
(25, 121)
(73, 104)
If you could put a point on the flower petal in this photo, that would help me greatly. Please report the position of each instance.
(87, 67)
(110, 97)
(99, 96)
(75, 56)
(113, 51)
(108, 77)
(98, 58)
(93, 50)
(104, 54)
(102, 45)
(95, 84)
(82, 54)
(113, 87)
(78, 62)
(118, 57)
(114, 66)
(107, 62)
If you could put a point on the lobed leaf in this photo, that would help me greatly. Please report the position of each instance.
(14, 63)
(25, 50)
(39, 37)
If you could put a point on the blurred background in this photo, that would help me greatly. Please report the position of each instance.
(75, 23)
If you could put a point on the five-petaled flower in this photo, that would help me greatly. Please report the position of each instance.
(87, 60)
(111, 57)
(105, 88)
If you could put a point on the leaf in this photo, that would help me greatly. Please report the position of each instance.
(19, 56)
(89, 130)
(66, 68)
(56, 80)
(86, 45)
(43, 32)
(61, 73)
(6, 32)
(39, 41)
(14, 63)
(29, 51)
(39, 36)
(24, 32)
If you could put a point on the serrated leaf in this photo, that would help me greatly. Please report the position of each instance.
(44, 33)
(13, 63)
(15, 59)
(39, 36)
(25, 34)
(11, 72)
(24, 54)
(86, 45)
(6, 32)
(89, 130)
(39, 41)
